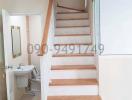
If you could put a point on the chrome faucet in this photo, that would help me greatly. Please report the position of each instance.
(19, 67)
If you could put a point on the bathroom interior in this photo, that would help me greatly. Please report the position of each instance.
(20, 39)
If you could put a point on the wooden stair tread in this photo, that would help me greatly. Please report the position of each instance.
(73, 67)
(72, 44)
(72, 35)
(73, 82)
(72, 19)
(71, 12)
(73, 55)
(74, 98)
(72, 26)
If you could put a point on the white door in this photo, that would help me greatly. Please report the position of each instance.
(3, 89)
(6, 32)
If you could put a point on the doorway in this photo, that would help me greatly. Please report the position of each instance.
(25, 45)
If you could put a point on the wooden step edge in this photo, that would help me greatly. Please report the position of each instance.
(74, 55)
(84, 97)
(72, 19)
(72, 26)
(73, 67)
(57, 35)
(73, 82)
(72, 44)
(71, 12)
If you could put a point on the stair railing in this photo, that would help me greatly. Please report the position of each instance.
(46, 29)
(45, 50)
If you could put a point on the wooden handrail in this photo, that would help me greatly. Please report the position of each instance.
(46, 29)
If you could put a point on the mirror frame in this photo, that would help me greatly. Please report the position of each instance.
(13, 47)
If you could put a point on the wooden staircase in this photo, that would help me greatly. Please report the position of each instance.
(73, 71)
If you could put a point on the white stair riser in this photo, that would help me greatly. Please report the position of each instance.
(73, 60)
(73, 74)
(72, 16)
(73, 49)
(75, 30)
(63, 23)
(73, 90)
(73, 40)
(63, 10)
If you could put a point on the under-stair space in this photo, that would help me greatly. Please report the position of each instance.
(73, 71)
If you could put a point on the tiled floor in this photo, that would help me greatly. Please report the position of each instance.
(29, 97)
(34, 86)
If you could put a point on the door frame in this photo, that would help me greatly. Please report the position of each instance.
(3, 68)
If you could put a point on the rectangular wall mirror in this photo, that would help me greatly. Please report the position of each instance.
(16, 41)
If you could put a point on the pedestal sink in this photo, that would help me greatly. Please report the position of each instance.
(23, 74)
(23, 70)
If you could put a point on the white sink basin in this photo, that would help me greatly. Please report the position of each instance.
(23, 75)
(24, 70)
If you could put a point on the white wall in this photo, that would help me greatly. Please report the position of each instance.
(115, 77)
(116, 31)
(35, 30)
(23, 6)
(17, 21)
